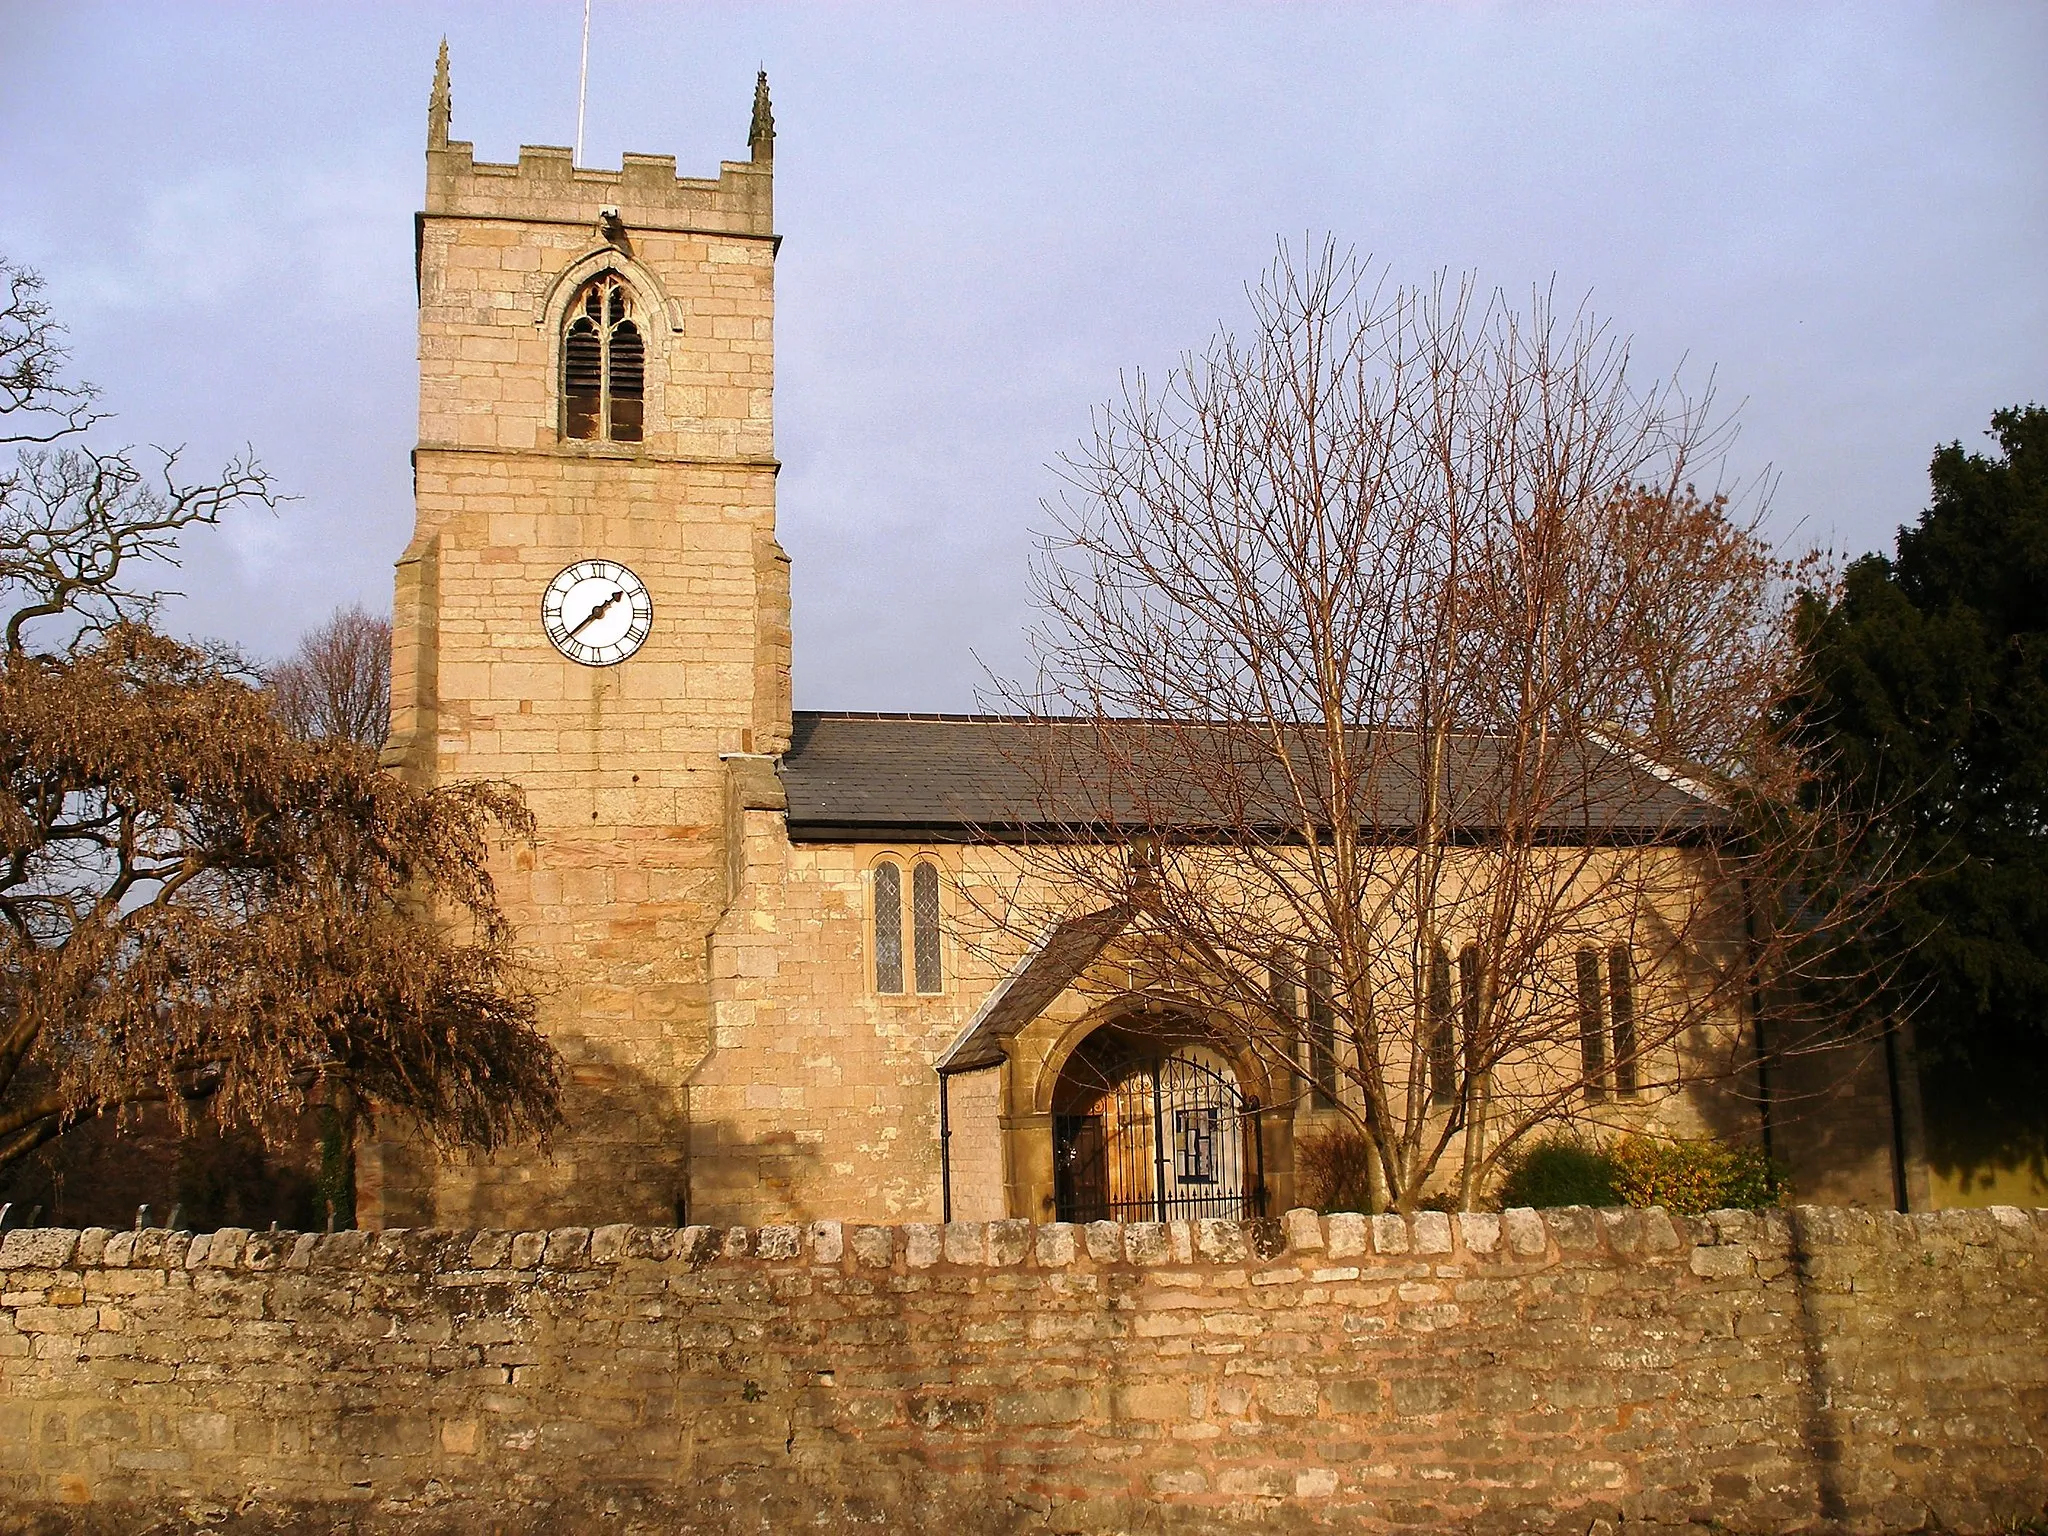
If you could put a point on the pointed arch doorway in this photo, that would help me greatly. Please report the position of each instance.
(1150, 1124)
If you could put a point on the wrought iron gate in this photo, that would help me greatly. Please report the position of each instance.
(1171, 1140)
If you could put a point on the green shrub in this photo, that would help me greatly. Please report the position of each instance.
(1332, 1171)
(1693, 1177)
(1558, 1169)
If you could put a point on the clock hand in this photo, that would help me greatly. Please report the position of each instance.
(596, 613)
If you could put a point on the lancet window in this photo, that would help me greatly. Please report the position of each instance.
(920, 960)
(1607, 1021)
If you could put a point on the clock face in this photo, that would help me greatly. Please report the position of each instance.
(597, 612)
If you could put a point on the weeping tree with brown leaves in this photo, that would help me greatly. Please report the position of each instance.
(199, 907)
(1397, 681)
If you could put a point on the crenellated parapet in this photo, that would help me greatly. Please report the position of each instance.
(644, 193)
(645, 190)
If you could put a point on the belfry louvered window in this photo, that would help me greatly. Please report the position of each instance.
(604, 365)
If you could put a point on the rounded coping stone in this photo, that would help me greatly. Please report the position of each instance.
(874, 1247)
(1009, 1242)
(1348, 1235)
(1304, 1229)
(227, 1247)
(1147, 1242)
(966, 1242)
(1432, 1232)
(611, 1242)
(1479, 1231)
(1660, 1233)
(38, 1247)
(1524, 1231)
(1575, 1229)
(828, 1241)
(699, 1246)
(267, 1250)
(921, 1244)
(1621, 1228)
(1057, 1244)
(1105, 1241)
(567, 1247)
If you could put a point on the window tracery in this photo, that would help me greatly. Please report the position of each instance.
(604, 365)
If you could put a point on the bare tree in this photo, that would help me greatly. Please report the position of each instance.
(76, 522)
(337, 684)
(38, 404)
(1372, 646)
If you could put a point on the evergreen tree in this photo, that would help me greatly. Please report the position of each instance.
(1928, 689)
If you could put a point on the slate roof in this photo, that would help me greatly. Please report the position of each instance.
(952, 778)
(1066, 950)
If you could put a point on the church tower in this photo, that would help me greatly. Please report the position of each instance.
(593, 606)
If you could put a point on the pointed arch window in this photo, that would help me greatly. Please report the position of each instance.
(1608, 1051)
(1283, 996)
(604, 365)
(1322, 1028)
(911, 961)
(924, 927)
(1621, 1002)
(888, 883)
(1443, 1029)
(1592, 1026)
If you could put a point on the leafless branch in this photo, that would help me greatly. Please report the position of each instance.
(1394, 673)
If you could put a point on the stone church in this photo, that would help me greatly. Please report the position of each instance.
(747, 921)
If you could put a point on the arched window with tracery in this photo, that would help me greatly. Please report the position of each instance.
(604, 365)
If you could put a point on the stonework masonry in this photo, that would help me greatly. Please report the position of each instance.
(707, 976)
(623, 767)
(1572, 1370)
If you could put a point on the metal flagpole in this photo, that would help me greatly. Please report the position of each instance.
(582, 84)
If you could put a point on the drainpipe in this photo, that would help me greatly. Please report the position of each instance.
(945, 1151)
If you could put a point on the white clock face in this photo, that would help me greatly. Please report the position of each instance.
(597, 612)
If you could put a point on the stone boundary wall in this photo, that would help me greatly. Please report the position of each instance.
(1568, 1370)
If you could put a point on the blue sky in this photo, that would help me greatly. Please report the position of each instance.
(1841, 212)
